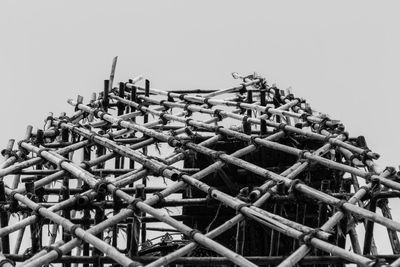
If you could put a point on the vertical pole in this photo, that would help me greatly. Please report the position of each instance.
(274, 235)
(131, 167)
(240, 230)
(5, 241)
(98, 218)
(100, 150)
(99, 215)
(297, 219)
(276, 102)
(39, 136)
(263, 126)
(135, 229)
(86, 247)
(274, 244)
(345, 188)
(121, 93)
(144, 180)
(147, 94)
(66, 236)
(322, 208)
(118, 162)
(36, 230)
(394, 238)
(35, 227)
(369, 228)
(117, 207)
(246, 124)
(15, 183)
(86, 212)
(249, 100)
(354, 240)
(142, 195)
(120, 106)
(287, 118)
(106, 100)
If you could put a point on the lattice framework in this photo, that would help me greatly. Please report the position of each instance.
(100, 207)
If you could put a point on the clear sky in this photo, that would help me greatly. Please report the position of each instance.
(342, 56)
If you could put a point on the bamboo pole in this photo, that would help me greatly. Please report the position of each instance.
(112, 73)
(395, 263)
(213, 261)
(7, 151)
(183, 176)
(183, 142)
(185, 229)
(290, 173)
(38, 160)
(272, 111)
(5, 241)
(11, 159)
(74, 229)
(152, 201)
(108, 223)
(304, 249)
(6, 262)
(300, 187)
(276, 146)
(394, 239)
(88, 195)
(282, 225)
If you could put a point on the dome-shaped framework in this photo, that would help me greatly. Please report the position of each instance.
(243, 176)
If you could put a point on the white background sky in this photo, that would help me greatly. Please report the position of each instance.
(343, 57)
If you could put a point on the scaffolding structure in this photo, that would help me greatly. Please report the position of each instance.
(244, 176)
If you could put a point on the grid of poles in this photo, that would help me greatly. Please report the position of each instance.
(88, 189)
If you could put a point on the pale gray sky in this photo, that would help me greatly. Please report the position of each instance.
(343, 57)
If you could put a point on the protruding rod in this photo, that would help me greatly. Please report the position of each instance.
(28, 132)
(249, 100)
(112, 73)
(39, 136)
(121, 93)
(263, 126)
(48, 121)
(106, 91)
(6, 153)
